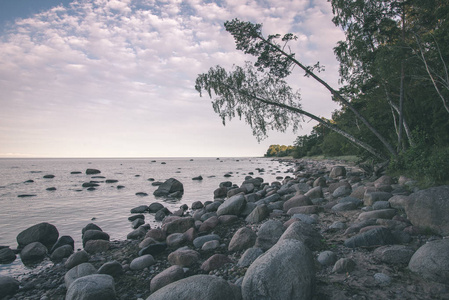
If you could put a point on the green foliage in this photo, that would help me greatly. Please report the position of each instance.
(242, 93)
(426, 162)
(279, 151)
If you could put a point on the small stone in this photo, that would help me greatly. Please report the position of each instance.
(344, 265)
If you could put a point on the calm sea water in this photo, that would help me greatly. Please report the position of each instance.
(70, 207)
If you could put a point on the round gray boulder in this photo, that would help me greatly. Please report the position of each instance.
(92, 287)
(286, 271)
(198, 287)
(45, 233)
(431, 261)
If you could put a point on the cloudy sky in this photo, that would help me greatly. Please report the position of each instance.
(115, 78)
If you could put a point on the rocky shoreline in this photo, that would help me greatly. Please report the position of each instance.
(329, 232)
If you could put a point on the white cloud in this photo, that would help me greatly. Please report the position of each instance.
(82, 76)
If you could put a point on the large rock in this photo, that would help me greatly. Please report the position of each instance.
(296, 201)
(184, 258)
(62, 241)
(337, 171)
(242, 239)
(249, 256)
(7, 255)
(92, 171)
(78, 271)
(268, 234)
(180, 225)
(375, 237)
(431, 261)
(92, 287)
(61, 252)
(215, 261)
(388, 213)
(170, 186)
(142, 262)
(286, 271)
(166, 277)
(232, 206)
(33, 252)
(94, 235)
(198, 287)
(429, 209)
(303, 232)
(45, 233)
(258, 214)
(76, 258)
(8, 286)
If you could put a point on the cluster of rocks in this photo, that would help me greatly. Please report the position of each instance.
(326, 233)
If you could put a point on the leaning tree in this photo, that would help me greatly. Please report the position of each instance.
(258, 92)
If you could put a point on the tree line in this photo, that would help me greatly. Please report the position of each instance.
(394, 92)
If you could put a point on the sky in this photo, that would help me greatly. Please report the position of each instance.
(115, 78)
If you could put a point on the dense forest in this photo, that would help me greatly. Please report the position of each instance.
(394, 91)
(280, 151)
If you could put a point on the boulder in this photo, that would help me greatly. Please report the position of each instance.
(176, 240)
(198, 287)
(388, 213)
(169, 275)
(142, 262)
(139, 209)
(249, 256)
(375, 237)
(113, 268)
(303, 232)
(209, 224)
(286, 271)
(169, 187)
(33, 252)
(337, 171)
(78, 271)
(431, 261)
(8, 286)
(242, 239)
(76, 258)
(344, 265)
(296, 201)
(92, 171)
(199, 241)
(429, 209)
(7, 255)
(258, 214)
(180, 225)
(95, 246)
(316, 192)
(232, 206)
(394, 254)
(153, 249)
(155, 207)
(94, 235)
(92, 287)
(63, 240)
(371, 197)
(184, 258)
(342, 191)
(45, 233)
(61, 252)
(327, 258)
(90, 226)
(137, 233)
(214, 262)
(268, 234)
